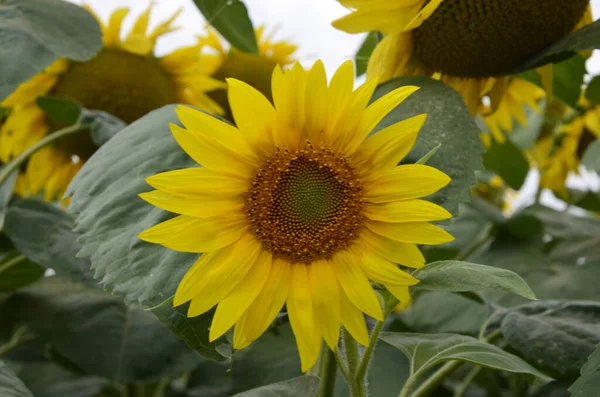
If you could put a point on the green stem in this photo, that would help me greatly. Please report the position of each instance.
(467, 381)
(161, 387)
(20, 159)
(13, 262)
(327, 372)
(438, 377)
(485, 237)
(342, 364)
(15, 340)
(353, 358)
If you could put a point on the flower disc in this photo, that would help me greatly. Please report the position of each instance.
(118, 82)
(305, 205)
(485, 38)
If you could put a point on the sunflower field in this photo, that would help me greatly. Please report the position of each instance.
(231, 218)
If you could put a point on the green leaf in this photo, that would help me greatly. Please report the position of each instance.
(563, 225)
(364, 53)
(592, 91)
(46, 379)
(110, 215)
(100, 334)
(588, 200)
(506, 160)
(591, 156)
(17, 271)
(61, 110)
(555, 335)
(10, 385)
(525, 136)
(230, 18)
(568, 79)
(35, 33)
(456, 276)
(586, 38)
(303, 386)
(44, 234)
(589, 383)
(449, 124)
(103, 126)
(425, 351)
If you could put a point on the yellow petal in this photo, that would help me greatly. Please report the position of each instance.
(355, 284)
(391, 57)
(188, 234)
(112, 34)
(411, 232)
(339, 96)
(402, 253)
(380, 108)
(266, 306)
(546, 73)
(326, 301)
(302, 320)
(316, 102)
(387, 17)
(289, 89)
(254, 115)
(401, 293)
(353, 320)
(405, 182)
(406, 211)
(211, 153)
(197, 182)
(381, 270)
(233, 306)
(423, 14)
(195, 206)
(219, 276)
(386, 148)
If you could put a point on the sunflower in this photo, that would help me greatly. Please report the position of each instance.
(557, 157)
(297, 205)
(472, 45)
(124, 79)
(254, 69)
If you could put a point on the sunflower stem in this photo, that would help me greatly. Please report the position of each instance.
(353, 358)
(20, 159)
(327, 371)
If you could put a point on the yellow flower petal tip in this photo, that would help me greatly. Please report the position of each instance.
(312, 214)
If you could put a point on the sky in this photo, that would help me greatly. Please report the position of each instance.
(306, 23)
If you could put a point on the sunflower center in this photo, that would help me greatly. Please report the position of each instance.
(485, 38)
(305, 205)
(118, 82)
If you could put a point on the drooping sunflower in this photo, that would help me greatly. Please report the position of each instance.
(297, 205)
(124, 79)
(472, 45)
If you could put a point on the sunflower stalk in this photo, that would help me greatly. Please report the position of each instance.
(327, 371)
(22, 158)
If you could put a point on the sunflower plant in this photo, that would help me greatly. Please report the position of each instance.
(224, 220)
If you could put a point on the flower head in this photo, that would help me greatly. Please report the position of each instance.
(469, 44)
(297, 205)
(124, 79)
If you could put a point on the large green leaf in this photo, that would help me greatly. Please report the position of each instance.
(507, 160)
(60, 110)
(586, 38)
(425, 351)
(230, 18)
(44, 234)
(10, 385)
(558, 336)
(568, 79)
(34, 33)
(110, 215)
(592, 91)
(100, 334)
(449, 124)
(17, 271)
(304, 386)
(46, 379)
(457, 276)
(361, 59)
(588, 383)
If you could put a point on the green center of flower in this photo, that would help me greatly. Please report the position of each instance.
(305, 205)
(118, 82)
(485, 38)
